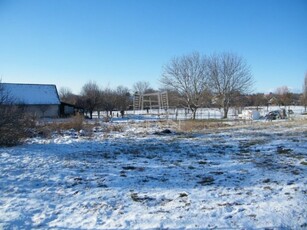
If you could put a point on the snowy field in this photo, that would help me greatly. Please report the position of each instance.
(202, 113)
(138, 178)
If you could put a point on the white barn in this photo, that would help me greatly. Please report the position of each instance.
(38, 99)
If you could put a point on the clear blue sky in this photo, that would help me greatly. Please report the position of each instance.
(120, 42)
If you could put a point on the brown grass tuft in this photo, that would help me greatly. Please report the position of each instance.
(197, 125)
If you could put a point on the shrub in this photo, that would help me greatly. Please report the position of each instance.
(113, 128)
(15, 125)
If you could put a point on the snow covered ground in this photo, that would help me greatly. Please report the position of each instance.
(240, 177)
(202, 113)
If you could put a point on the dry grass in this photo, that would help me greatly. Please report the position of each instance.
(198, 125)
(77, 123)
(113, 128)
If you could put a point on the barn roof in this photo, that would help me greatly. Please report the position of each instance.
(32, 94)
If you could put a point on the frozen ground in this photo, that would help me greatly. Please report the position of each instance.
(239, 177)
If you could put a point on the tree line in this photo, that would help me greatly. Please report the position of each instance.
(193, 81)
(94, 98)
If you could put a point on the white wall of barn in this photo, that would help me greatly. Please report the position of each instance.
(43, 110)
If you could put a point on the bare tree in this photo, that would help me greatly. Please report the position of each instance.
(229, 75)
(173, 97)
(91, 97)
(284, 96)
(123, 99)
(187, 75)
(66, 95)
(141, 87)
(108, 102)
(257, 100)
(304, 97)
(14, 124)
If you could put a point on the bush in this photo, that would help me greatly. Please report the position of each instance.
(15, 125)
(58, 126)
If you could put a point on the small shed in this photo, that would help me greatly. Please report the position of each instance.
(38, 99)
(67, 109)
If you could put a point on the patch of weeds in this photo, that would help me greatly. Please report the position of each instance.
(163, 132)
(129, 167)
(191, 167)
(206, 181)
(117, 152)
(177, 163)
(197, 125)
(217, 173)
(150, 157)
(215, 146)
(227, 204)
(296, 172)
(134, 151)
(152, 148)
(136, 198)
(244, 151)
(123, 173)
(133, 168)
(183, 194)
(202, 162)
(282, 150)
(252, 142)
(291, 182)
(164, 180)
(303, 163)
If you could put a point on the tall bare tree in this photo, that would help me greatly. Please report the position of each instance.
(257, 100)
(108, 100)
(66, 95)
(141, 87)
(284, 96)
(187, 75)
(123, 99)
(229, 75)
(91, 97)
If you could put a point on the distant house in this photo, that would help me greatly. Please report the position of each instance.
(273, 101)
(39, 100)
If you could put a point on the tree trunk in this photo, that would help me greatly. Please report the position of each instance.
(194, 113)
(225, 112)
